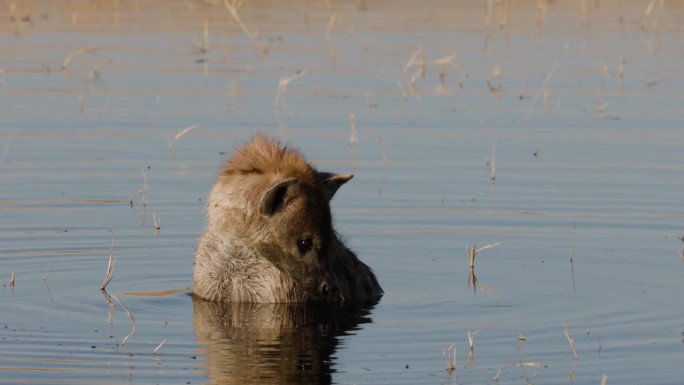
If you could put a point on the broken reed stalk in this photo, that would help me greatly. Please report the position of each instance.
(571, 341)
(450, 357)
(472, 252)
(110, 267)
(12, 280)
(471, 336)
(154, 352)
(604, 379)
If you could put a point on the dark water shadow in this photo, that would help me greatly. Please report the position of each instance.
(272, 343)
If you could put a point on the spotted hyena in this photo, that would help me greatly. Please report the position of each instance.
(269, 235)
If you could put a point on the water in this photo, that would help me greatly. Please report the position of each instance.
(581, 111)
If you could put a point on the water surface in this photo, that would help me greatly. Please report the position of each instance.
(577, 104)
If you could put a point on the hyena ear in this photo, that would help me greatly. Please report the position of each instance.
(278, 195)
(332, 181)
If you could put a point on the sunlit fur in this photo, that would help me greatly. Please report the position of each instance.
(247, 254)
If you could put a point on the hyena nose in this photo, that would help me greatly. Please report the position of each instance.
(328, 288)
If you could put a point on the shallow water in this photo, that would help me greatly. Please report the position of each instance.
(581, 111)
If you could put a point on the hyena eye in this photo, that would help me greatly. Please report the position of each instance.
(304, 245)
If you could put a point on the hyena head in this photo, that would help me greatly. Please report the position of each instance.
(296, 230)
(280, 206)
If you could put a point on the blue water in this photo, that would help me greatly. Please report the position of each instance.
(588, 167)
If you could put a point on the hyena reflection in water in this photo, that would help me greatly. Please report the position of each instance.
(269, 236)
(272, 343)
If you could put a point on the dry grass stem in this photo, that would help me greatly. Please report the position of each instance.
(472, 252)
(12, 280)
(416, 58)
(444, 63)
(109, 298)
(471, 342)
(604, 379)
(585, 13)
(81, 107)
(450, 357)
(446, 60)
(331, 24)
(202, 46)
(621, 71)
(253, 37)
(67, 59)
(534, 364)
(94, 74)
(110, 307)
(571, 341)
(472, 279)
(282, 88)
(602, 107)
(647, 13)
(45, 276)
(525, 376)
(540, 90)
(7, 145)
(154, 352)
(142, 191)
(353, 134)
(110, 267)
(571, 373)
(542, 9)
(491, 163)
(182, 132)
(157, 221)
(471, 336)
(521, 340)
(353, 140)
(493, 83)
